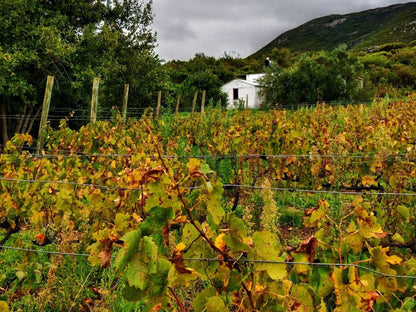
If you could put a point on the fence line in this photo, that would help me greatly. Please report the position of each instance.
(317, 264)
(225, 186)
(380, 157)
(295, 190)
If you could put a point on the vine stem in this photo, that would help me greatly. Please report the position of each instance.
(177, 299)
(250, 297)
(224, 254)
(181, 198)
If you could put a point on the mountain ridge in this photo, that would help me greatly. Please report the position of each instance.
(358, 30)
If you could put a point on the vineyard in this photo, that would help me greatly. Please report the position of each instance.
(307, 210)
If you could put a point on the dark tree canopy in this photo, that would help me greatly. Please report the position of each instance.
(75, 41)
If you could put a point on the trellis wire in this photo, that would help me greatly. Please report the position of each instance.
(361, 267)
(292, 190)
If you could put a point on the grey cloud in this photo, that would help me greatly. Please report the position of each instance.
(244, 26)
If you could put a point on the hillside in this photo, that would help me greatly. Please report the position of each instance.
(396, 23)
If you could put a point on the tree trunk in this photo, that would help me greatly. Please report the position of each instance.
(4, 135)
(20, 120)
(30, 126)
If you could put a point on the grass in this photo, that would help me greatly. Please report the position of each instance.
(42, 282)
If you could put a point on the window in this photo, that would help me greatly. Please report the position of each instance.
(235, 94)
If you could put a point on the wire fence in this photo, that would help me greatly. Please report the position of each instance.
(238, 260)
(380, 156)
(250, 187)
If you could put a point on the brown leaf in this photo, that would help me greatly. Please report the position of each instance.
(196, 173)
(177, 260)
(106, 253)
(309, 246)
(309, 211)
(153, 174)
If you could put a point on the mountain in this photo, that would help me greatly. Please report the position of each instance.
(360, 30)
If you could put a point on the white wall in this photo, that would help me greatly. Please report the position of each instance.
(244, 89)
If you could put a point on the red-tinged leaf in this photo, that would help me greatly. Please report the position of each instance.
(40, 237)
(156, 308)
(369, 301)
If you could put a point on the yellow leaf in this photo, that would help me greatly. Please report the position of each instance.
(220, 243)
(180, 247)
(394, 259)
(368, 181)
(378, 165)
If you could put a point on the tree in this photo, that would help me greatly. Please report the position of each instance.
(75, 41)
(322, 76)
(282, 57)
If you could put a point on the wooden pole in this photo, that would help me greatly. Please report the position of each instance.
(194, 101)
(204, 93)
(177, 104)
(94, 100)
(125, 100)
(159, 100)
(45, 112)
(247, 101)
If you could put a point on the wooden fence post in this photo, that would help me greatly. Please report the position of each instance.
(246, 101)
(94, 100)
(204, 93)
(159, 100)
(45, 112)
(194, 101)
(177, 104)
(125, 100)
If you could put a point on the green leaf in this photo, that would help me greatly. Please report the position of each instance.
(266, 247)
(302, 297)
(158, 194)
(214, 206)
(236, 238)
(319, 213)
(410, 304)
(137, 274)
(355, 242)
(215, 304)
(404, 212)
(131, 245)
(20, 275)
(201, 299)
(398, 238)
(157, 220)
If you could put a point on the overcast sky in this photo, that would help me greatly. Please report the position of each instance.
(186, 27)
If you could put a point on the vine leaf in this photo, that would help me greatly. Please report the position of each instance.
(308, 246)
(318, 213)
(350, 295)
(220, 243)
(131, 245)
(266, 247)
(368, 181)
(215, 304)
(383, 261)
(106, 252)
(369, 227)
(152, 174)
(177, 259)
(213, 202)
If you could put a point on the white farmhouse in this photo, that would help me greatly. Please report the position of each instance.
(243, 93)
